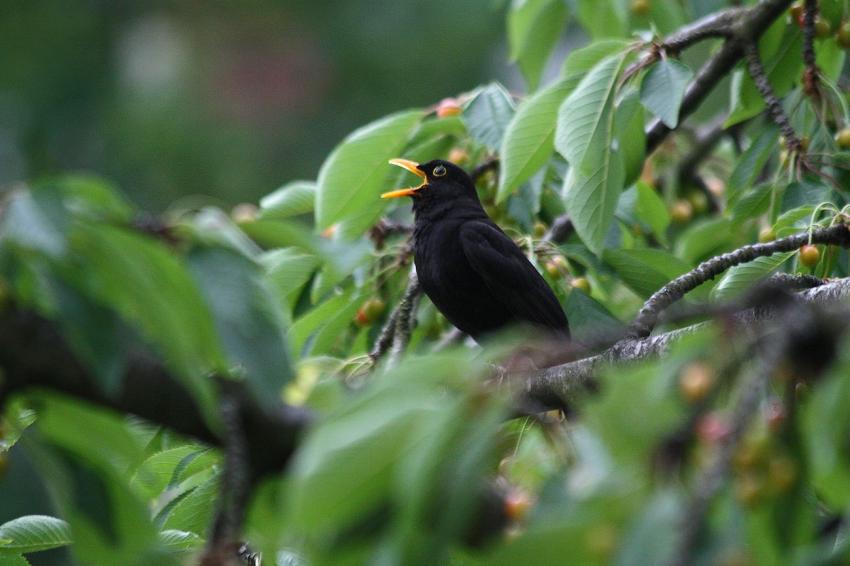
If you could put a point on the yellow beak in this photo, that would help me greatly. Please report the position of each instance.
(413, 167)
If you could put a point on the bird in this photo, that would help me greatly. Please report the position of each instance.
(473, 272)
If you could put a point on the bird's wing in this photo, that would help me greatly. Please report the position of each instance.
(510, 277)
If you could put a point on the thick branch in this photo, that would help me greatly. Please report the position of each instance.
(567, 382)
(34, 355)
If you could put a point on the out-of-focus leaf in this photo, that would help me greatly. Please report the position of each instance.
(288, 270)
(318, 318)
(149, 286)
(644, 543)
(741, 277)
(645, 270)
(488, 114)
(753, 202)
(825, 422)
(703, 238)
(650, 209)
(534, 27)
(246, 317)
(589, 319)
(34, 533)
(36, 221)
(782, 64)
(602, 18)
(180, 540)
(344, 467)
(663, 88)
(751, 163)
(352, 177)
(292, 199)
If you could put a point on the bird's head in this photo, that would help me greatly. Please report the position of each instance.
(442, 182)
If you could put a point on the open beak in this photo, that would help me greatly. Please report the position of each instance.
(413, 167)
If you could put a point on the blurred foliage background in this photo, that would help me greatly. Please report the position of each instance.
(179, 99)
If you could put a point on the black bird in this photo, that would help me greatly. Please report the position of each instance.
(470, 269)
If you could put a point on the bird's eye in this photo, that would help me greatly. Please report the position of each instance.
(439, 171)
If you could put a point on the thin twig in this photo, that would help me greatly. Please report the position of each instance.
(774, 106)
(811, 73)
(406, 319)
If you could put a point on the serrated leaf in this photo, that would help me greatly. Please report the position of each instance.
(34, 533)
(663, 88)
(645, 270)
(529, 139)
(194, 512)
(751, 163)
(488, 114)
(585, 121)
(591, 201)
(534, 27)
(650, 209)
(352, 177)
(742, 277)
(292, 199)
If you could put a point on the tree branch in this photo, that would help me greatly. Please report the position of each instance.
(648, 315)
(34, 355)
(774, 106)
(567, 382)
(747, 27)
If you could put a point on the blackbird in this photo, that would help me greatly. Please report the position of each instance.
(470, 269)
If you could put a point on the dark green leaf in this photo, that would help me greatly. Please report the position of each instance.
(663, 88)
(488, 114)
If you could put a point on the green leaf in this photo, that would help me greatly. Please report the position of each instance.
(589, 319)
(247, 318)
(825, 422)
(663, 88)
(742, 277)
(36, 221)
(602, 18)
(650, 209)
(180, 541)
(585, 118)
(34, 533)
(580, 61)
(782, 64)
(488, 114)
(13, 560)
(130, 273)
(702, 238)
(534, 27)
(318, 318)
(752, 203)
(591, 201)
(344, 466)
(529, 139)
(630, 138)
(584, 136)
(168, 468)
(751, 163)
(288, 270)
(194, 512)
(352, 177)
(645, 270)
(292, 199)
